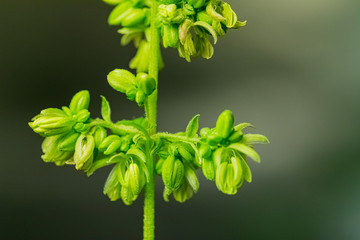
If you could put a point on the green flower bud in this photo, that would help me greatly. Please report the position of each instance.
(229, 176)
(121, 80)
(135, 17)
(52, 153)
(80, 100)
(136, 178)
(119, 13)
(167, 12)
(208, 168)
(52, 122)
(185, 154)
(191, 178)
(84, 149)
(214, 139)
(83, 115)
(146, 83)
(110, 144)
(81, 127)
(140, 98)
(126, 142)
(127, 194)
(170, 35)
(99, 135)
(131, 94)
(172, 173)
(203, 16)
(112, 186)
(225, 124)
(197, 3)
(67, 141)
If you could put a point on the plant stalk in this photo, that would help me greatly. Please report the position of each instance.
(150, 113)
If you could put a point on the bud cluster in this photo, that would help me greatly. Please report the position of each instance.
(73, 138)
(136, 88)
(185, 25)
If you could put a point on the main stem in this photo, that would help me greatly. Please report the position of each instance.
(150, 112)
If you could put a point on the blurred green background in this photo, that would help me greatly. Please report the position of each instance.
(293, 72)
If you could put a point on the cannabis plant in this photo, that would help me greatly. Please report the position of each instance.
(134, 149)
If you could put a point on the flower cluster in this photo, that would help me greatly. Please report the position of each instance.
(73, 138)
(185, 25)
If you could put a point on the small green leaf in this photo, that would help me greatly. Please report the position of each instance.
(193, 126)
(241, 126)
(105, 110)
(246, 150)
(255, 138)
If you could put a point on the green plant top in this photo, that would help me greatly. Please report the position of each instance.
(136, 152)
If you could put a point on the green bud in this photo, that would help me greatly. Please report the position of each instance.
(197, 3)
(121, 80)
(99, 135)
(167, 12)
(126, 142)
(185, 154)
(67, 111)
(131, 93)
(214, 139)
(225, 124)
(67, 142)
(112, 186)
(203, 16)
(51, 151)
(146, 83)
(51, 124)
(110, 144)
(208, 169)
(223, 174)
(134, 17)
(140, 98)
(238, 171)
(191, 178)
(172, 173)
(84, 149)
(81, 127)
(136, 178)
(170, 35)
(119, 13)
(80, 100)
(184, 193)
(127, 194)
(83, 115)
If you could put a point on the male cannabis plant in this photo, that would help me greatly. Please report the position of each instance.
(135, 149)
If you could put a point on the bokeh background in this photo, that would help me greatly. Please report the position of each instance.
(293, 72)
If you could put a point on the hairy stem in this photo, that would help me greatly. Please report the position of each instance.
(150, 112)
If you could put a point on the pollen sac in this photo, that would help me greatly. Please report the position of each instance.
(84, 148)
(67, 141)
(112, 186)
(52, 153)
(172, 173)
(170, 35)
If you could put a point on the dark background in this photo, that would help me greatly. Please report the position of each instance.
(293, 72)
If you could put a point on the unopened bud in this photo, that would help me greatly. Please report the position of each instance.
(81, 100)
